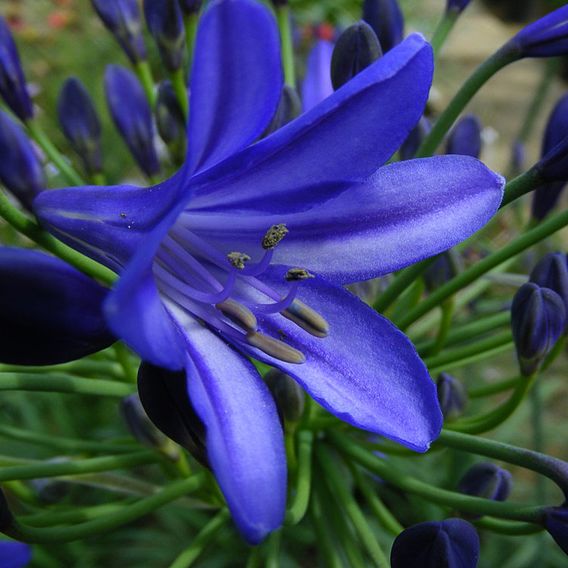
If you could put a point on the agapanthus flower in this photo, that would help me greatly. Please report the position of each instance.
(317, 81)
(243, 252)
(14, 554)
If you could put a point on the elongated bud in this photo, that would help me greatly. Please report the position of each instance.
(288, 109)
(122, 19)
(356, 48)
(133, 120)
(165, 22)
(387, 21)
(556, 524)
(51, 490)
(465, 138)
(171, 121)
(287, 394)
(488, 481)
(80, 123)
(20, 169)
(163, 395)
(457, 6)
(444, 268)
(15, 554)
(317, 82)
(190, 6)
(452, 396)
(12, 81)
(452, 543)
(538, 318)
(415, 138)
(518, 157)
(552, 272)
(54, 312)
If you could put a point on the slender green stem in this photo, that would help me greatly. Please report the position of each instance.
(80, 367)
(61, 382)
(496, 388)
(510, 528)
(342, 493)
(538, 434)
(528, 239)
(327, 546)
(201, 541)
(273, 550)
(128, 364)
(75, 515)
(480, 76)
(521, 185)
(283, 17)
(472, 359)
(23, 224)
(191, 21)
(98, 178)
(443, 30)
(180, 89)
(299, 505)
(100, 525)
(447, 309)
(145, 76)
(59, 161)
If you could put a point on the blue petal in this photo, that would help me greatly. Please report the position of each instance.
(245, 443)
(404, 213)
(236, 80)
(14, 554)
(365, 371)
(317, 82)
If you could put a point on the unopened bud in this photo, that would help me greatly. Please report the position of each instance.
(488, 481)
(415, 138)
(556, 524)
(457, 6)
(387, 21)
(190, 6)
(287, 394)
(552, 272)
(452, 396)
(465, 138)
(446, 266)
(170, 120)
(288, 109)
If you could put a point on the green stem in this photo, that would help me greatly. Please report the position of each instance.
(481, 75)
(80, 367)
(496, 388)
(23, 224)
(447, 309)
(283, 18)
(299, 505)
(273, 550)
(339, 490)
(538, 434)
(126, 361)
(201, 541)
(75, 515)
(180, 89)
(528, 239)
(100, 525)
(145, 76)
(59, 161)
(60, 382)
(443, 30)
(510, 528)
(472, 359)
(190, 21)
(98, 178)
(326, 545)
(521, 185)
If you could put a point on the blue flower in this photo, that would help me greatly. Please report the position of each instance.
(317, 82)
(208, 259)
(14, 554)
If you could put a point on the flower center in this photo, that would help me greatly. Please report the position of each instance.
(225, 291)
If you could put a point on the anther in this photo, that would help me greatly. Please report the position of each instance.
(295, 274)
(275, 348)
(274, 235)
(238, 259)
(306, 318)
(238, 314)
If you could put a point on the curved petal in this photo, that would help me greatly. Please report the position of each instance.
(236, 80)
(404, 213)
(346, 137)
(317, 82)
(365, 371)
(244, 439)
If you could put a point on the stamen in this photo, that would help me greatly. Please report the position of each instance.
(274, 235)
(297, 274)
(275, 348)
(238, 314)
(259, 267)
(306, 318)
(238, 259)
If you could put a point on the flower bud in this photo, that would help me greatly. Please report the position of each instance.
(50, 490)
(518, 157)
(163, 395)
(122, 19)
(556, 523)
(133, 120)
(488, 481)
(171, 121)
(452, 543)
(288, 109)
(356, 48)
(80, 123)
(53, 311)
(317, 82)
(444, 268)
(15, 554)
(415, 138)
(190, 6)
(287, 394)
(538, 318)
(387, 21)
(20, 169)
(552, 272)
(12, 81)
(457, 6)
(165, 22)
(452, 396)
(465, 138)
(547, 37)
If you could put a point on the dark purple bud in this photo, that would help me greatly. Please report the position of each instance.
(165, 22)
(51, 490)
(20, 169)
(452, 396)
(452, 543)
(132, 115)
(547, 37)
(457, 6)
(387, 21)
(122, 19)
(465, 138)
(170, 120)
(80, 123)
(488, 481)
(552, 272)
(15, 554)
(447, 265)
(415, 138)
(518, 157)
(163, 395)
(356, 48)
(190, 6)
(538, 318)
(12, 81)
(51, 313)
(556, 523)
(289, 107)
(287, 394)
